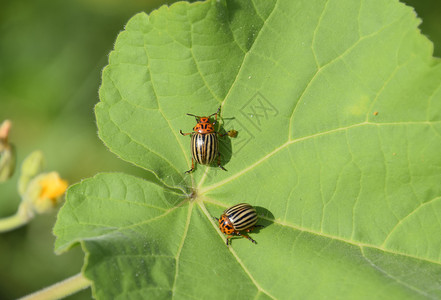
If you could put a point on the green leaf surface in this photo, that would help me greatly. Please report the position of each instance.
(337, 105)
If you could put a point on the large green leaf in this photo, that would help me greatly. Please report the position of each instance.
(337, 105)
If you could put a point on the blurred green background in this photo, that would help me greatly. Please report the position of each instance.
(51, 57)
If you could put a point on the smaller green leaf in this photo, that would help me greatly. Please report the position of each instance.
(107, 203)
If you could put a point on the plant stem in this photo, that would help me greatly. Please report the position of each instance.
(61, 289)
(13, 222)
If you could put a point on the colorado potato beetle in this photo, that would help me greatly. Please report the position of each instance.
(204, 141)
(240, 217)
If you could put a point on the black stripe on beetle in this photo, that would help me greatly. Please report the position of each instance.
(204, 148)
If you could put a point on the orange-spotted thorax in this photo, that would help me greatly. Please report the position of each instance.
(225, 225)
(204, 126)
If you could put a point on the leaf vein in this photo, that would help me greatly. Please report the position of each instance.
(397, 280)
(326, 65)
(347, 241)
(138, 143)
(400, 222)
(162, 113)
(178, 253)
(289, 142)
(246, 55)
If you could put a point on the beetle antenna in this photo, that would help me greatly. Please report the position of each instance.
(197, 117)
(215, 112)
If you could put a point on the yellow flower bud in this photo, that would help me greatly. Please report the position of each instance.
(52, 187)
(45, 192)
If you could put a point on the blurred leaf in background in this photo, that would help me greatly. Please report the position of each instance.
(51, 56)
(430, 13)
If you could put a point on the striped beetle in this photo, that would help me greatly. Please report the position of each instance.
(204, 141)
(240, 217)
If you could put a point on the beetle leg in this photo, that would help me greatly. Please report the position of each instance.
(219, 163)
(246, 236)
(185, 133)
(192, 167)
